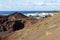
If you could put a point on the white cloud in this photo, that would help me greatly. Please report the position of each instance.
(1, 5)
(29, 5)
(52, 4)
(38, 3)
(9, 1)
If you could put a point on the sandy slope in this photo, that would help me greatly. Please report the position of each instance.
(47, 29)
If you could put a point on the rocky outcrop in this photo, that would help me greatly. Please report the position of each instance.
(14, 22)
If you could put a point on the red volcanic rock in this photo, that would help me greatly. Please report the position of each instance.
(14, 22)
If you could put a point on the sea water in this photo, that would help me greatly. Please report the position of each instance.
(25, 12)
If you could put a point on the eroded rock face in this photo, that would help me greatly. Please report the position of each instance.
(14, 22)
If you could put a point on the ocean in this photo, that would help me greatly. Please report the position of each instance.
(25, 12)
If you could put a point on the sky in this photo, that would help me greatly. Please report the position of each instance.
(29, 5)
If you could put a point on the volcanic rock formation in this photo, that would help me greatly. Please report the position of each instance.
(14, 22)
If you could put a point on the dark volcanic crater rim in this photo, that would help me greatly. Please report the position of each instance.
(14, 22)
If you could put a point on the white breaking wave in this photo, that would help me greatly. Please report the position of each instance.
(40, 14)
